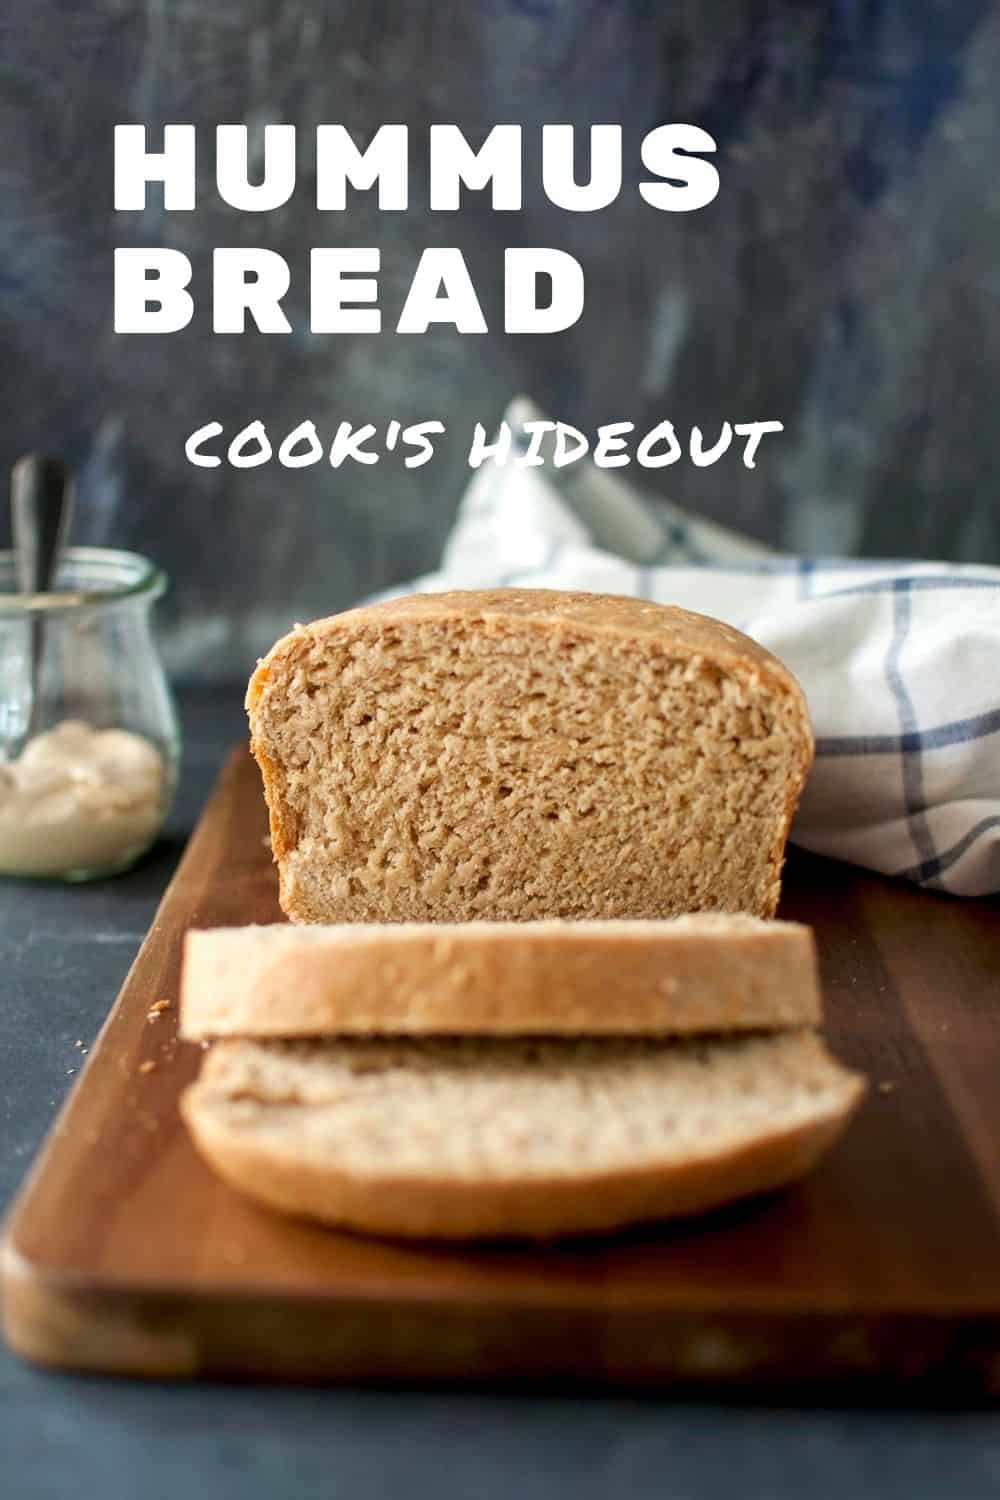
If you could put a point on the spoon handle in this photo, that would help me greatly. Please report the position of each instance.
(41, 501)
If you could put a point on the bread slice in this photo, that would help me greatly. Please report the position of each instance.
(526, 753)
(708, 972)
(462, 1137)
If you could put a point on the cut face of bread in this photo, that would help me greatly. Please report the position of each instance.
(707, 972)
(462, 1137)
(525, 754)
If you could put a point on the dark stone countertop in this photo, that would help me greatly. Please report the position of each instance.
(65, 954)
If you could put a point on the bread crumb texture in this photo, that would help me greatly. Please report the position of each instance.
(466, 1135)
(522, 754)
(710, 971)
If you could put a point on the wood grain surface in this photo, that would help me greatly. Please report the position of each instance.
(877, 1276)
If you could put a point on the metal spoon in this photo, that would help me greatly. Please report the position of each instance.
(41, 502)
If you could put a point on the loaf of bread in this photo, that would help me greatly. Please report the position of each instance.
(707, 972)
(526, 754)
(464, 1137)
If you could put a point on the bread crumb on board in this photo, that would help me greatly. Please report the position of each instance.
(156, 1009)
(147, 1066)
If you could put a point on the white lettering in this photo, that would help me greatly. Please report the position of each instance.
(232, 168)
(692, 182)
(328, 290)
(441, 292)
(174, 166)
(249, 281)
(497, 162)
(150, 295)
(339, 162)
(558, 168)
(522, 313)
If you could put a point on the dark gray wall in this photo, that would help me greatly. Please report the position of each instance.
(844, 280)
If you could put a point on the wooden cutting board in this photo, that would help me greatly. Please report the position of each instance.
(880, 1273)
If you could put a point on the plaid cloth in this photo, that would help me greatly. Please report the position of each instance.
(900, 661)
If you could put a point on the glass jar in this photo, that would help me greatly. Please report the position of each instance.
(89, 739)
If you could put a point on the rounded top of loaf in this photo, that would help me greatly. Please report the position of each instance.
(618, 616)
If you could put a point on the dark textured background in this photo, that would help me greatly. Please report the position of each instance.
(844, 280)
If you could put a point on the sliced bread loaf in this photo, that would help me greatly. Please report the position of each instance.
(463, 1138)
(522, 754)
(708, 972)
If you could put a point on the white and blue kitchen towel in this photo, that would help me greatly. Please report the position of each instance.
(900, 661)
